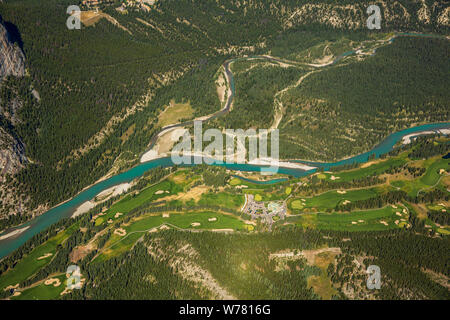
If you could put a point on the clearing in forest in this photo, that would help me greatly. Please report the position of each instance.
(174, 113)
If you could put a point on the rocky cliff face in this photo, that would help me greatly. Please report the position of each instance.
(414, 14)
(12, 153)
(12, 59)
(351, 15)
(12, 160)
(12, 63)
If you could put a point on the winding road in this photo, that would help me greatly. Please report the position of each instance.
(231, 84)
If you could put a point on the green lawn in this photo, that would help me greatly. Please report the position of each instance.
(374, 169)
(330, 199)
(146, 195)
(444, 231)
(429, 179)
(30, 264)
(368, 220)
(250, 185)
(435, 207)
(261, 195)
(222, 199)
(137, 229)
(432, 176)
(297, 205)
(43, 292)
(235, 182)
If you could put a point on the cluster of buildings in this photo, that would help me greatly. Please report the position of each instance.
(265, 211)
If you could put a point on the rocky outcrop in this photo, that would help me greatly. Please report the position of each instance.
(12, 63)
(409, 15)
(12, 160)
(9, 109)
(12, 59)
(12, 150)
(12, 153)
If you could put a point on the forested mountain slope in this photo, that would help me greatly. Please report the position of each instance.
(101, 88)
(12, 151)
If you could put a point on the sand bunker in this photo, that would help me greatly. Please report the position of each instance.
(159, 192)
(395, 207)
(120, 232)
(110, 221)
(384, 222)
(212, 219)
(399, 214)
(66, 290)
(12, 287)
(56, 282)
(165, 215)
(195, 224)
(334, 178)
(118, 214)
(45, 256)
(346, 202)
(222, 230)
(98, 215)
(341, 191)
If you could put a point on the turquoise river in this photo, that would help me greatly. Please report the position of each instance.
(67, 208)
